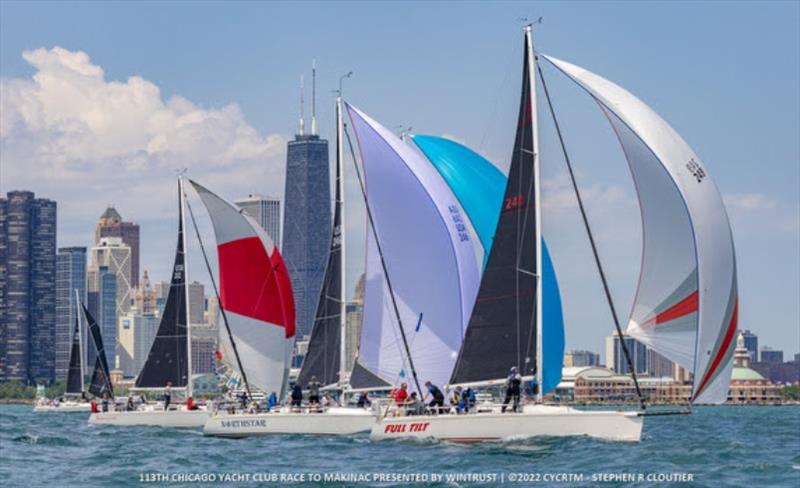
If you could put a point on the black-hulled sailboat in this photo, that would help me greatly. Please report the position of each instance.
(169, 363)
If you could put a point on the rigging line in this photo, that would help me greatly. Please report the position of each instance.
(219, 299)
(383, 263)
(594, 246)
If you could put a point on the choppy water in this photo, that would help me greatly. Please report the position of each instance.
(722, 446)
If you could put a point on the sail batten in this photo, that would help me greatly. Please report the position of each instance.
(686, 305)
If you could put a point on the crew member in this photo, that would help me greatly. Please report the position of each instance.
(401, 395)
(190, 404)
(167, 395)
(437, 397)
(297, 395)
(313, 391)
(363, 400)
(513, 383)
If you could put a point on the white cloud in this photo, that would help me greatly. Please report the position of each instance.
(69, 134)
(749, 201)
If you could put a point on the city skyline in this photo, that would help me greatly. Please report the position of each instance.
(255, 113)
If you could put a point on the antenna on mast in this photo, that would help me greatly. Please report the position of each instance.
(314, 96)
(302, 124)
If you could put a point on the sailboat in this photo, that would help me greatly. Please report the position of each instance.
(325, 359)
(170, 358)
(74, 395)
(686, 303)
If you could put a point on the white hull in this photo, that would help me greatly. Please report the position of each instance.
(64, 407)
(534, 421)
(334, 421)
(152, 417)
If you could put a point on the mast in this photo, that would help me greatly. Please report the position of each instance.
(186, 290)
(342, 255)
(537, 206)
(80, 336)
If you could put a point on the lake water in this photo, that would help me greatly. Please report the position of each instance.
(715, 446)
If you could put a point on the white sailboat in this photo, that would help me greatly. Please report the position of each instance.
(685, 307)
(170, 358)
(325, 360)
(74, 397)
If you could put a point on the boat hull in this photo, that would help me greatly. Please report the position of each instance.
(63, 407)
(156, 418)
(335, 421)
(534, 421)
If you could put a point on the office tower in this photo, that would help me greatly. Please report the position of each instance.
(27, 287)
(161, 290)
(107, 311)
(137, 330)
(144, 297)
(111, 224)
(266, 211)
(353, 321)
(70, 276)
(581, 359)
(770, 355)
(615, 356)
(658, 366)
(751, 344)
(307, 218)
(113, 254)
(197, 302)
(212, 311)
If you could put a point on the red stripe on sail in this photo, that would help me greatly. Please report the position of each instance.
(285, 288)
(247, 282)
(683, 307)
(722, 350)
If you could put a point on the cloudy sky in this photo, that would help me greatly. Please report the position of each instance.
(102, 103)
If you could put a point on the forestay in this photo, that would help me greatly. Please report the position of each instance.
(429, 256)
(686, 303)
(255, 293)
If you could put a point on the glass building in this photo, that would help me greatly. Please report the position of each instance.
(307, 223)
(70, 276)
(266, 211)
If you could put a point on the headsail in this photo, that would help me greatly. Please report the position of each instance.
(480, 188)
(255, 293)
(101, 379)
(429, 257)
(686, 302)
(168, 359)
(75, 372)
(502, 328)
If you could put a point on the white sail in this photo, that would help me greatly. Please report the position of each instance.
(686, 302)
(429, 256)
(255, 295)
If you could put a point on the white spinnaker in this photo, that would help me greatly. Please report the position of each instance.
(686, 302)
(429, 256)
(263, 348)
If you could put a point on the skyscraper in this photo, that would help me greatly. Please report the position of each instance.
(70, 276)
(115, 255)
(751, 344)
(107, 308)
(770, 355)
(307, 218)
(27, 287)
(266, 211)
(111, 224)
(197, 303)
(615, 356)
(581, 358)
(137, 330)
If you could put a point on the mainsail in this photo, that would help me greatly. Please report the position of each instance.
(428, 255)
(75, 372)
(101, 379)
(168, 359)
(686, 303)
(255, 294)
(502, 330)
(480, 188)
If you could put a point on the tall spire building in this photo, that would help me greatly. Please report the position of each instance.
(111, 224)
(307, 218)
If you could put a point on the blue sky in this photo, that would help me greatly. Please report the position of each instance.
(725, 75)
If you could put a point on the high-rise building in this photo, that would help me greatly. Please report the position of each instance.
(70, 276)
(113, 254)
(307, 219)
(581, 358)
(353, 322)
(770, 355)
(615, 356)
(204, 345)
(197, 302)
(144, 298)
(107, 311)
(266, 211)
(137, 330)
(751, 344)
(161, 289)
(212, 311)
(27, 287)
(658, 366)
(111, 224)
